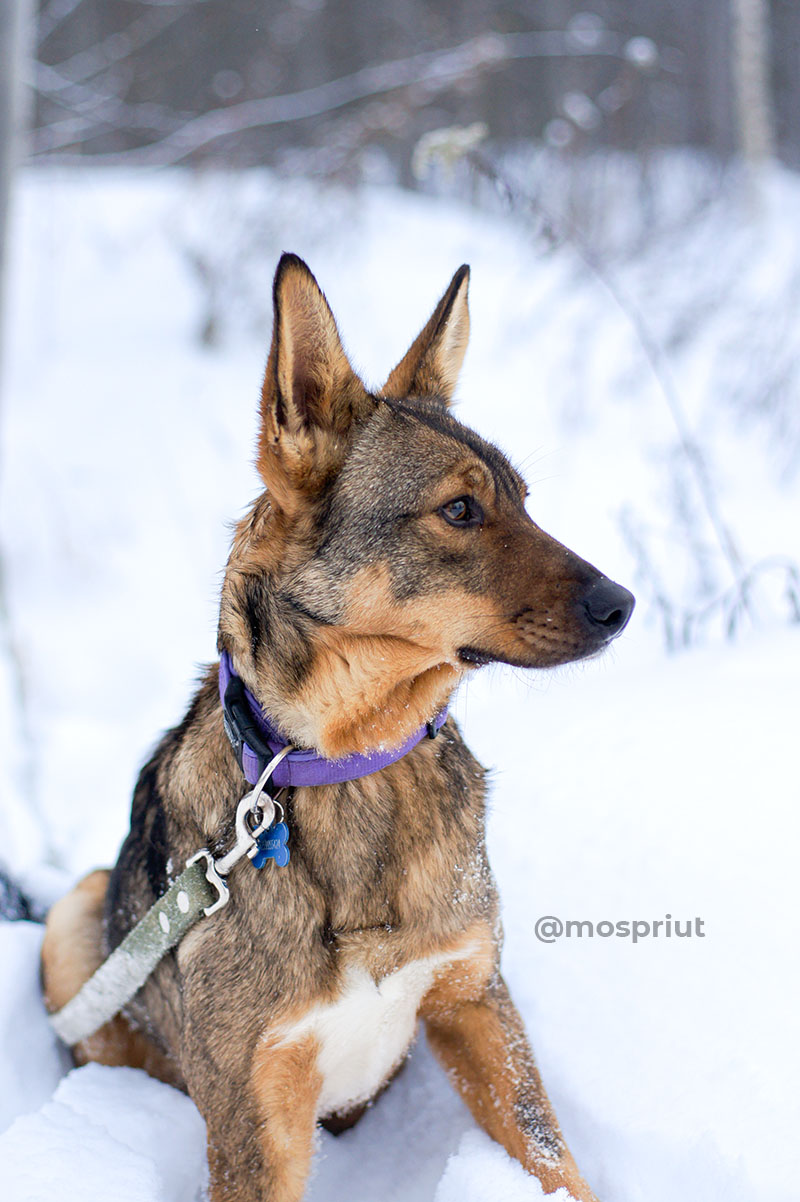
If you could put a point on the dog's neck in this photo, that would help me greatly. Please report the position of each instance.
(325, 685)
(257, 742)
(342, 711)
(368, 692)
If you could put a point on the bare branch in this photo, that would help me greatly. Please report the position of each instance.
(52, 15)
(433, 70)
(94, 112)
(113, 49)
(57, 11)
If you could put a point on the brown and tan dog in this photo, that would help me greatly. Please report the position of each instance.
(389, 556)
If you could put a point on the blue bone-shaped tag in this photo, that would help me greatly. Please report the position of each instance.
(272, 846)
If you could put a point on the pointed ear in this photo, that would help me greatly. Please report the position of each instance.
(430, 367)
(311, 397)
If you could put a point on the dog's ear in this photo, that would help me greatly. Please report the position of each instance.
(311, 396)
(431, 365)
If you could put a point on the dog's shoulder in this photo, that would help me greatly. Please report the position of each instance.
(170, 811)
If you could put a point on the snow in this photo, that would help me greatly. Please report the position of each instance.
(31, 1067)
(633, 787)
(106, 1125)
(482, 1169)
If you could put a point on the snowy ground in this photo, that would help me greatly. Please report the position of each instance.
(638, 786)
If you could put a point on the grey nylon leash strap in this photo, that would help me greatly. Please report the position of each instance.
(199, 890)
(130, 964)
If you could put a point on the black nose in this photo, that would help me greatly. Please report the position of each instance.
(608, 606)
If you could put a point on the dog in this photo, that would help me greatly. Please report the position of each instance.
(389, 557)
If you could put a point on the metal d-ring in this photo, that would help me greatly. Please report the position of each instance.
(261, 783)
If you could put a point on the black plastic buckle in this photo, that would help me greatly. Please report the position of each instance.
(432, 729)
(241, 727)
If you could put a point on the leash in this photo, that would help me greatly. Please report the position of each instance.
(199, 891)
(270, 764)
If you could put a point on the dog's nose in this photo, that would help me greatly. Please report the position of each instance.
(608, 606)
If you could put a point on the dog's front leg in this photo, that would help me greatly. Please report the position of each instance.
(261, 1137)
(479, 1038)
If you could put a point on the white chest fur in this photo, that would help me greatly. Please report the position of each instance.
(365, 1033)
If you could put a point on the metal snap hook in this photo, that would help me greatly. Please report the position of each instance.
(255, 814)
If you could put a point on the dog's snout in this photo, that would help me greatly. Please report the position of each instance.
(608, 606)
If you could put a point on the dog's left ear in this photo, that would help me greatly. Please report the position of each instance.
(431, 365)
(311, 396)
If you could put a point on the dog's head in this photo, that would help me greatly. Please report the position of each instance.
(392, 552)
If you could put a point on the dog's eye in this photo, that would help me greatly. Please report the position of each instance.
(464, 511)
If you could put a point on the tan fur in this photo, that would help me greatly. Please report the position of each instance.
(476, 1033)
(72, 945)
(354, 709)
(71, 951)
(310, 393)
(479, 1039)
(347, 705)
(286, 1085)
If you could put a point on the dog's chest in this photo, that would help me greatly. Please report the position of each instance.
(364, 1034)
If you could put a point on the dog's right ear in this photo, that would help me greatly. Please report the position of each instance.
(311, 396)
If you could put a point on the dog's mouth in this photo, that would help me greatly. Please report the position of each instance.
(553, 656)
(475, 657)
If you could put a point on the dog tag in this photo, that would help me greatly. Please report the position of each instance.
(272, 846)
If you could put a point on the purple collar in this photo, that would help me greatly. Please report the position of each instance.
(255, 741)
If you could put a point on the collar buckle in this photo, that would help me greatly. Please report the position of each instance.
(241, 728)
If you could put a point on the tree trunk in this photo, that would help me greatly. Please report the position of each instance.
(752, 83)
(14, 30)
(16, 743)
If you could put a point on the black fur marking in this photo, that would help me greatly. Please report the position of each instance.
(286, 260)
(255, 608)
(273, 628)
(298, 608)
(472, 655)
(447, 306)
(534, 1119)
(439, 420)
(157, 849)
(289, 646)
(140, 876)
(144, 855)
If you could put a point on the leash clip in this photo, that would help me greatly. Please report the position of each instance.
(255, 815)
(213, 878)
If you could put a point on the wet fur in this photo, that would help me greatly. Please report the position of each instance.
(352, 609)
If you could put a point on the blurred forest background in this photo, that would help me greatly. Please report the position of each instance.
(355, 91)
(350, 86)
